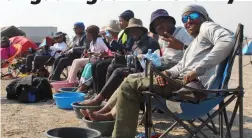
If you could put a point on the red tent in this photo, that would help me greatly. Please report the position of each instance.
(24, 42)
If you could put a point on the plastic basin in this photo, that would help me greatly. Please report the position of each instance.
(105, 127)
(76, 106)
(73, 132)
(63, 100)
(68, 89)
(61, 84)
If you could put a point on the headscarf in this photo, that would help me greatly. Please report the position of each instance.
(199, 9)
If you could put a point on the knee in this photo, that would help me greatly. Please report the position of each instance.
(118, 72)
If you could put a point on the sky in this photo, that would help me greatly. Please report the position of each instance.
(64, 13)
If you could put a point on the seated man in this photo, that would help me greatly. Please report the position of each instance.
(41, 57)
(161, 23)
(78, 45)
(211, 45)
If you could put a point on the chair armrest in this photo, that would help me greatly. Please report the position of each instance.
(226, 91)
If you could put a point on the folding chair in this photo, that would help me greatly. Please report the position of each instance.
(218, 95)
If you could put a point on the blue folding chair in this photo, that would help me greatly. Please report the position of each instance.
(218, 95)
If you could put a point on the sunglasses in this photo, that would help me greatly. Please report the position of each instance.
(75, 29)
(192, 16)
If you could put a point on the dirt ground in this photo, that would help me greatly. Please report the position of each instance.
(33, 120)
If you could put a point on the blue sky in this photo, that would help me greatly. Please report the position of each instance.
(63, 13)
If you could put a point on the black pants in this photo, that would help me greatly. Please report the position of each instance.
(111, 68)
(39, 61)
(99, 70)
(115, 81)
(117, 77)
(62, 62)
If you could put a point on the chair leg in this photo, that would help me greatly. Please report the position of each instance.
(212, 128)
(227, 123)
(192, 124)
(234, 113)
(241, 115)
(148, 121)
(221, 124)
(169, 129)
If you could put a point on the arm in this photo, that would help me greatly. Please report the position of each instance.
(223, 43)
(128, 46)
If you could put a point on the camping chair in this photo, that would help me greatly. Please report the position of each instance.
(9, 61)
(218, 95)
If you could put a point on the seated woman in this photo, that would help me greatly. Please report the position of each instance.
(6, 49)
(98, 49)
(44, 53)
(99, 68)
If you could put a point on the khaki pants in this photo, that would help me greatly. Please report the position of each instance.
(127, 99)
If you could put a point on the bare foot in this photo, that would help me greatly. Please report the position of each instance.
(100, 117)
(93, 102)
(84, 113)
(82, 88)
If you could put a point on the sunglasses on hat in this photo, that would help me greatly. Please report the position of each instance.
(192, 16)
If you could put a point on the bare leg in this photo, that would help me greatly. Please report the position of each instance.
(84, 112)
(93, 102)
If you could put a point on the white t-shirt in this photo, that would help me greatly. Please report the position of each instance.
(58, 47)
(172, 54)
(98, 46)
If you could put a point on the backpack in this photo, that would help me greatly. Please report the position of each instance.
(24, 92)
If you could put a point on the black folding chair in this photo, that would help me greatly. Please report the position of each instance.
(218, 95)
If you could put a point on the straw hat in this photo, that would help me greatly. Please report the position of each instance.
(113, 26)
(135, 23)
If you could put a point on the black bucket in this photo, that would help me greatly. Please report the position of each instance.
(76, 106)
(73, 132)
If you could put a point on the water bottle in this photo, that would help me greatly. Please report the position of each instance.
(155, 60)
(148, 54)
(129, 59)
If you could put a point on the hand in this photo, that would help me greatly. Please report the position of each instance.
(173, 42)
(103, 53)
(160, 80)
(190, 77)
(140, 56)
(70, 51)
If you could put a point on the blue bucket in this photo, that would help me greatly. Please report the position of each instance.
(64, 100)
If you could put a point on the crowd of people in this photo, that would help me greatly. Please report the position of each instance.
(189, 54)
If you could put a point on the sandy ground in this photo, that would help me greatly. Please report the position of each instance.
(33, 120)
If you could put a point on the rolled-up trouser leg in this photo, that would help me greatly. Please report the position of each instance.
(129, 96)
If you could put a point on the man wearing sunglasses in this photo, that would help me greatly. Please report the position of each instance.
(77, 47)
(211, 45)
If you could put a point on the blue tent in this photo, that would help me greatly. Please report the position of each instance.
(247, 49)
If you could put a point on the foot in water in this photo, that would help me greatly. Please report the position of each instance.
(93, 102)
(84, 113)
(100, 117)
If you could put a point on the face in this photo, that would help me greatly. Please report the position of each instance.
(192, 22)
(89, 36)
(136, 33)
(59, 39)
(123, 23)
(114, 34)
(163, 24)
(77, 30)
